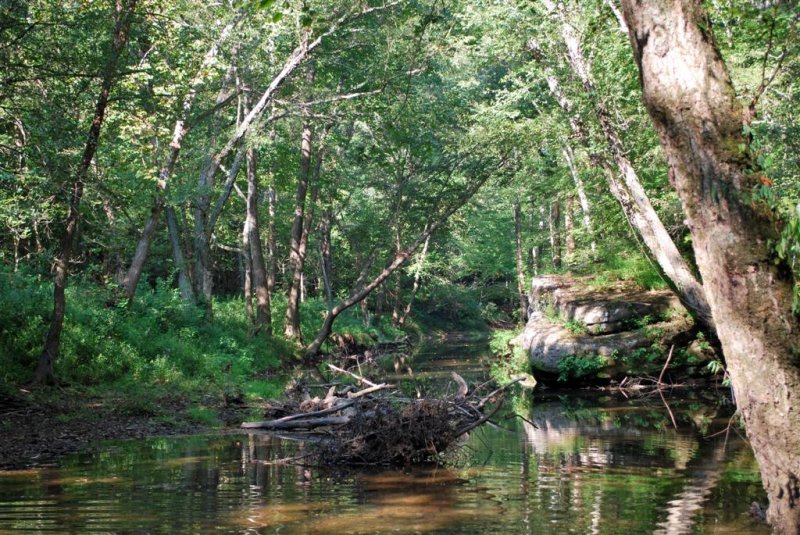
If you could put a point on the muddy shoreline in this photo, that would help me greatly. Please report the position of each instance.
(37, 433)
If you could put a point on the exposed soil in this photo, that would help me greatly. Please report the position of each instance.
(35, 431)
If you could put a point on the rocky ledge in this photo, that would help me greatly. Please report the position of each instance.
(576, 331)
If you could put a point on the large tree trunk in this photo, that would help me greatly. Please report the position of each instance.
(44, 369)
(635, 203)
(693, 105)
(179, 131)
(521, 283)
(255, 255)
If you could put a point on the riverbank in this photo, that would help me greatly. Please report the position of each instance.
(39, 427)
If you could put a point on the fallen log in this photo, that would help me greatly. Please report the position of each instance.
(309, 423)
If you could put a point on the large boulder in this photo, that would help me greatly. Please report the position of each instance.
(614, 308)
(576, 329)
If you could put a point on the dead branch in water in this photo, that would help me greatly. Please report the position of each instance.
(377, 426)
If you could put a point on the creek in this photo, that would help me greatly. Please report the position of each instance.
(592, 464)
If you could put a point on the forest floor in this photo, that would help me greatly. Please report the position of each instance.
(38, 427)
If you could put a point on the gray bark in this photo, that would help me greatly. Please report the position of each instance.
(691, 100)
(179, 131)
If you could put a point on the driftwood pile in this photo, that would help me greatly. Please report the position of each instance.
(377, 426)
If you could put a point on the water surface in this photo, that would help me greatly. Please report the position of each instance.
(587, 465)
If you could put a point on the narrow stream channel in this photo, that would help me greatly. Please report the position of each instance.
(592, 465)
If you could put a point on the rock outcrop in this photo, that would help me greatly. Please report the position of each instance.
(580, 332)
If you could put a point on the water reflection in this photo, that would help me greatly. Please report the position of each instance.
(569, 465)
(567, 469)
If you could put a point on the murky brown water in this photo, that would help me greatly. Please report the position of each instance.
(590, 466)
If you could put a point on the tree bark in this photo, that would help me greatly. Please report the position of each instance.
(179, 132)
(690, 98)
(586, 207)
(326, 255)
(204, 220)
(173, 231)
(272, 263)
(569, 228)
(263, 319)
(247, 286)
(45, 367)
(521, 282)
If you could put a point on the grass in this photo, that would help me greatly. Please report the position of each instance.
(203, 415)
(632, 266)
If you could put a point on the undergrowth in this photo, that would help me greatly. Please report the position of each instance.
(510, 361)
(157, 342)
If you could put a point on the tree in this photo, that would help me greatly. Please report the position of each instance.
(123, 15)
(693, 105)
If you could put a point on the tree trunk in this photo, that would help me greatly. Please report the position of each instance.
(201, 206)
(263, 319)
(688, 92)
(272, 264)
(247, 286)
(44, 369)
(326, 256)
(398, 281)
(637, 208)
(656, 238)
(582, 197)
(569, 228)
(184, 281)
(521, 286)
(296, 255)
(179, 131)
(554, 222)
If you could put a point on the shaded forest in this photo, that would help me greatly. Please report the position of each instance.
(196, 197)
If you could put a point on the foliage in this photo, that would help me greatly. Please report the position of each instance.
(409, 105)
(578, 367)
(160, 340)
(511, 360)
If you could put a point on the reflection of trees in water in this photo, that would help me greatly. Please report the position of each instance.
(573, 454)
(592, 476)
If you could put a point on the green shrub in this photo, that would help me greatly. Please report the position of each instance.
(577, 367)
